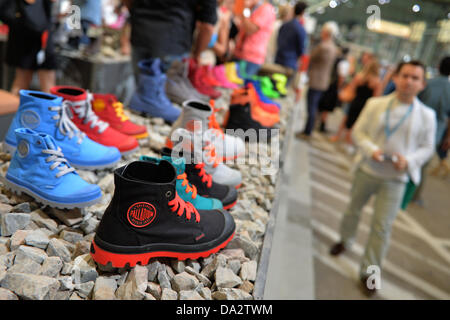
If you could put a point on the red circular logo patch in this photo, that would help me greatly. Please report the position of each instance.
(141, 214)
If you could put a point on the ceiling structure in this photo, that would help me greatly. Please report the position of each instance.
(354, 11)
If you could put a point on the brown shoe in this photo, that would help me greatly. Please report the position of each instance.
(365, 289)
(337, 249)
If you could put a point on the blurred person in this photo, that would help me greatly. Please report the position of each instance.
(395, 136)
(164, 29)
(366, 84)
(255, 26)
(347, 92)
(365, 58)
(330, 100)
(30, 46)
(285, 14)
(91, 16)
(321, 62)
(221, 36)
(437, 96)
(291, 41)
(387, 84)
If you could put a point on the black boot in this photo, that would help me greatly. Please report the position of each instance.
(240, 118)
(146, 218)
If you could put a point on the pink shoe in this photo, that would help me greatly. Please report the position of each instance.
(219, 74)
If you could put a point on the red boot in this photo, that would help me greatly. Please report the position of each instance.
(198, 76)
(109, 109)
(88, 122)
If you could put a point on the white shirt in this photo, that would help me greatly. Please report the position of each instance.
(419, 143)
(394, 144)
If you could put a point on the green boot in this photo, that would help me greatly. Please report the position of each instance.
(280, 83)
(267, 88)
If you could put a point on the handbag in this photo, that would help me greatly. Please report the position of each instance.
(33, 16)
(348, 93)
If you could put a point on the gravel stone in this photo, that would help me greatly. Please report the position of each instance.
(37, 238)
(225, 278)
(57, 248)
(11, 222)
(31, 287)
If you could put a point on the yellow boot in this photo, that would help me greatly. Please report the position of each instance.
(231, 74)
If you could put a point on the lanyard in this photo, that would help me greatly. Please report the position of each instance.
(387, 130)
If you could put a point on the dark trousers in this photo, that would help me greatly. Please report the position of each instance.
(313, 98)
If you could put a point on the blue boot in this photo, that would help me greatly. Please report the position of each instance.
(150, 96)
(38, 168)
(47, 113)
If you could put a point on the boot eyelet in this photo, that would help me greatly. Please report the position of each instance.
(168, 194)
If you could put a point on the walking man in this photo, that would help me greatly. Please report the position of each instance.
(395, 136)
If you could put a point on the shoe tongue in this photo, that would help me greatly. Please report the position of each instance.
(49, 142)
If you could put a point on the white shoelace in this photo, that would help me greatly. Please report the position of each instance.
(84, 110)
(56, 157)
(65, 125)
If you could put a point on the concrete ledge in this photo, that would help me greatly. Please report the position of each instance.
(286, 269)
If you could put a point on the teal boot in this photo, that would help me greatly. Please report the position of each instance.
(185, 190)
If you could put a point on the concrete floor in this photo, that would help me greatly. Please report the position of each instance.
(316, 187)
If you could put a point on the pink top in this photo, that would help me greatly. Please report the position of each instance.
(253, 47)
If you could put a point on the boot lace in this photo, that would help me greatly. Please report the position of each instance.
(118, 107)
(65, 125)
(185, 183)
(202, 173)
(210, 155)
(84, 110)
(57, 157)
(212, 121)
(181, 206)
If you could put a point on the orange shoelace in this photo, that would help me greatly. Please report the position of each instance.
(186, 184)
(118, 107)
(212, 121)
(182, 206)
(202, 173)
(211, 154)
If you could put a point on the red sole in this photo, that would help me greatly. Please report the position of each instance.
(119, 260)
(231, 205)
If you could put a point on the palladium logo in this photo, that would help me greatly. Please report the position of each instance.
(141, 214)
(23, 148)
(30, 119)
